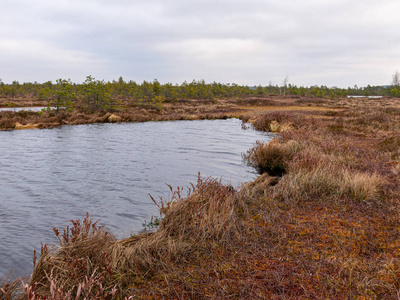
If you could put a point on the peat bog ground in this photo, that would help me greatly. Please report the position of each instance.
(321, 221)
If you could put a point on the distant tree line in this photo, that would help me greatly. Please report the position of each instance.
(99, 94)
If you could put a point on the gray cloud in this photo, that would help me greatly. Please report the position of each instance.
(248, 42)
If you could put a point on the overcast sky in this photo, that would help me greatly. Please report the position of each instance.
(313, 42)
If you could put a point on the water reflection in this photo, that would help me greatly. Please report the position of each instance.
(17, 109)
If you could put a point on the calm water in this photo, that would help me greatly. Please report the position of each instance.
(48, 177)
(17, 109)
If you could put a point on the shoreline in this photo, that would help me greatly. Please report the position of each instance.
(248, 108)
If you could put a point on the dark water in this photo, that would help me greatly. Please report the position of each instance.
(48, 177)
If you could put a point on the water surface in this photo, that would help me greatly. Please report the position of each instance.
(50, 176)
(28, 108)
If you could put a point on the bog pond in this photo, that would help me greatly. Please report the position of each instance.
(50, 176)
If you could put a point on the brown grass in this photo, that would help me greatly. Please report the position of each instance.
(186, 110)
(273, 157)
(250, 107)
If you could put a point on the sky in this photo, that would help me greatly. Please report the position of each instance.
(248, 42)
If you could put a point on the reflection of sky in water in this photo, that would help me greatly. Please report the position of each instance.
(48, 177)
(17, 109)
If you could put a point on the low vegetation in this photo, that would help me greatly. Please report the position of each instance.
(68, 103)
(96, 94)
(320, 222)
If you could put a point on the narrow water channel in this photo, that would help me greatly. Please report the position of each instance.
(50, 176)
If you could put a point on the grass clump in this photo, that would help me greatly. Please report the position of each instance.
(329, 184)
(272, 157)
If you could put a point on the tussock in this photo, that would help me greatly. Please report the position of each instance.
(323, 184)
(272, 157)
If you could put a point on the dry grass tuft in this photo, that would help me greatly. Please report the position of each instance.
(327, 184)
(272, 157)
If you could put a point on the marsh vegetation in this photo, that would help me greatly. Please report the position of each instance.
(321, 221)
